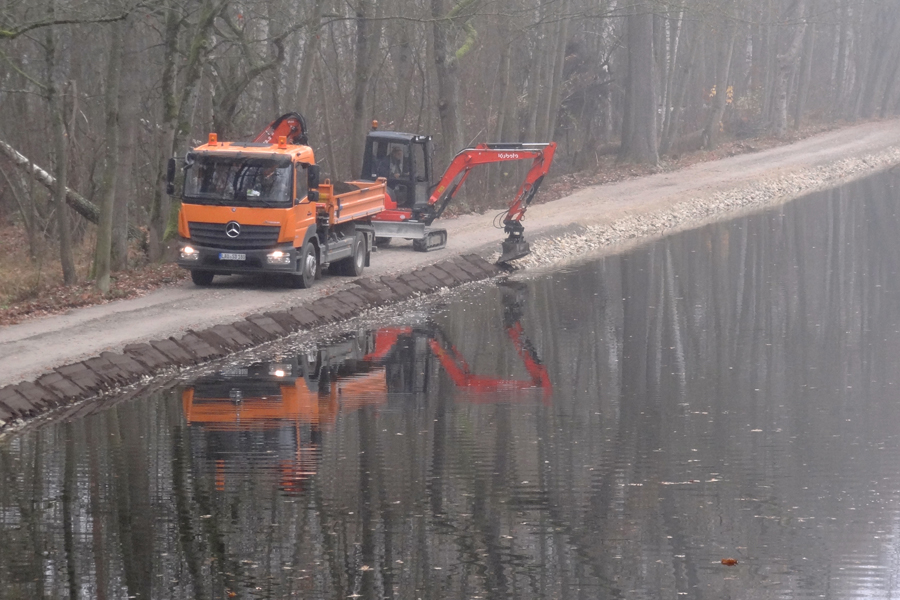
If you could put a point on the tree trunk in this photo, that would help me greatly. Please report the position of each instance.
(639, 143)
(681, 84)
(368, 40)
(197, 55)
(175, 125)
(723, 73)
(555, 78)
(882, 52)
(786, 64)
(79, 203)
(129, 115)
(672, 56)
(159, 206)
(60, 153)
(104, 230)
(837, 98)
(308, 59)
(19, 191)
(809, 46)
(770, 50)
(326, 119)
(889, 86)
(448, 85)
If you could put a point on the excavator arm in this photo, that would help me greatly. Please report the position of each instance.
(462, 164)
(541, 155)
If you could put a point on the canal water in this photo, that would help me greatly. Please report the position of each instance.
(612, 430)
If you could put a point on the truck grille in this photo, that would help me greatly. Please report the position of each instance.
(251, 237)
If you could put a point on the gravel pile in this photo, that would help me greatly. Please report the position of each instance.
(703, 209)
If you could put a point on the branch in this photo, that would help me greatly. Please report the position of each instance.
(79, 203)
(10, 34)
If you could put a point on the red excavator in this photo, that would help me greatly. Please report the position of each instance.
(405, 159)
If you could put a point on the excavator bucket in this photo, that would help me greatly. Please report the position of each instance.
(512, 248)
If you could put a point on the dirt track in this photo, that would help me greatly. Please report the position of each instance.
(29, 349)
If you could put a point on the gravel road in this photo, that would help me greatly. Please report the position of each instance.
(595, 220)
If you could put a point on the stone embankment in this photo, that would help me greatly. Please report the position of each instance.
(700, 210)
(110, 371)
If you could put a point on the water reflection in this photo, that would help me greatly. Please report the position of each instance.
(268, 417)
(730, 392)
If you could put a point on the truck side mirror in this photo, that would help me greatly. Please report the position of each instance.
(312, 177)
(170, 177)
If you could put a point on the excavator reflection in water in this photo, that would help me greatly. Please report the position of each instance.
(269, 416)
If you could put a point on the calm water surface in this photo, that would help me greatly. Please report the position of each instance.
(612, 431)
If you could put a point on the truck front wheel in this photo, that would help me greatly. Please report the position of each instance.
(202, 278)
(308, 267)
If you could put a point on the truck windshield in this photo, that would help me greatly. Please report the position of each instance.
(238, 181)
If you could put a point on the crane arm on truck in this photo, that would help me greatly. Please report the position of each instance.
(291, 126)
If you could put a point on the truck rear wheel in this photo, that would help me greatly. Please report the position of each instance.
(202, 278)
(354, 265)
(308, 267)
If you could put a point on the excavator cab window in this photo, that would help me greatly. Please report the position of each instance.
(391, 159)
(420, 169)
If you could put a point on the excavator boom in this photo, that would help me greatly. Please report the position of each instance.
(461, 166)
(483, 154)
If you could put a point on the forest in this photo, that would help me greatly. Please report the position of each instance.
(97, 95)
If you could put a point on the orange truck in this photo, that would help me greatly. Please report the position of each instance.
(259, 207)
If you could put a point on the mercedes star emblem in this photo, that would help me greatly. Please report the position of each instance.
(233, 229)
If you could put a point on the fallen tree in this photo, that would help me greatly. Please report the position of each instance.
(79, 203)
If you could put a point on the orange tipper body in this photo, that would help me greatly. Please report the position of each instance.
(258, 207)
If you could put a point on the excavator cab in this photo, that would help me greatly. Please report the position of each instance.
(405, 160)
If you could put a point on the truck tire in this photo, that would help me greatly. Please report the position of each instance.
(202, 278)
(307, 268)
(354, 265)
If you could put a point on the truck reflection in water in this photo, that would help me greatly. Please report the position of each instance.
(269, 416)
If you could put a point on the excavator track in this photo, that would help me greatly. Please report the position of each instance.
(435, 239)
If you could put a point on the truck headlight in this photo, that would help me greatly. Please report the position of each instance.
(280, 370)
(278, 257)
(189, 253)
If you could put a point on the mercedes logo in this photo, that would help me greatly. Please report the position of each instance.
(233, 229)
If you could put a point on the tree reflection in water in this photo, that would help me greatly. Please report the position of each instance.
(728, 392)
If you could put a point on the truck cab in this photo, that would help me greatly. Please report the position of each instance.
(259, 207)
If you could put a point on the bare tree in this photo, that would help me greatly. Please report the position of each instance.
(787, 62)
(639, 142)
(103, 250)
(55, 88)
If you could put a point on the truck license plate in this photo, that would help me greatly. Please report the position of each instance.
(232, 256)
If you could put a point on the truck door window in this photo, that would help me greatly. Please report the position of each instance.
(301, 182)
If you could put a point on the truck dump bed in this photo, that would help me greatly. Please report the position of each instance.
(361, 199)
